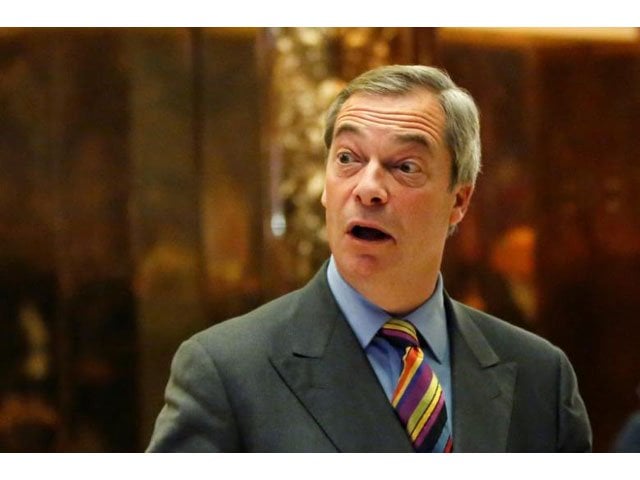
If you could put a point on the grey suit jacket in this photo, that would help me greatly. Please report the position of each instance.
(291, 376)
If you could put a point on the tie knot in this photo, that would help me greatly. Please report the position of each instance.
(400, 332)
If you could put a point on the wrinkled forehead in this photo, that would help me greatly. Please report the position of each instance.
(417, 110)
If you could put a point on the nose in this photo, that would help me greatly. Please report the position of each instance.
(371, 189)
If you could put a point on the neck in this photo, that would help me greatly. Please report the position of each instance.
(397, 296)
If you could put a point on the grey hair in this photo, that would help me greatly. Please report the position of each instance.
(462, 124)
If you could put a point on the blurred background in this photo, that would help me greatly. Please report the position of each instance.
(157, 181)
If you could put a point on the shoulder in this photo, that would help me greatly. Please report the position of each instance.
(545, 382)
(278, 322)
(508, 341)
(279, 319)
(251, 332)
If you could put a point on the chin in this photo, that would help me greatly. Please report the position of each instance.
(359, 265)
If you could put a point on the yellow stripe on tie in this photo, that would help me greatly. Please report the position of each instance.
(401, 326)
(434, 403)
(426, 403)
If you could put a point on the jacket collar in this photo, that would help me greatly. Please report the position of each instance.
(483, 386)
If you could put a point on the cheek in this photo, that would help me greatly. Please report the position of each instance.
(428, 212)
(329, 201)
(332, 193)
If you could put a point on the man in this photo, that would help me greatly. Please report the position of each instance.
(372, 355)
(628, 438)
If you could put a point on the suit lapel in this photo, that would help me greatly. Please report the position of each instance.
(321, 361)
(319, 358)
(482, 385)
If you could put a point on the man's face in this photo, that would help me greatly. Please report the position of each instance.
(388, 196)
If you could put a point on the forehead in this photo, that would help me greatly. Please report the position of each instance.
(419, 110)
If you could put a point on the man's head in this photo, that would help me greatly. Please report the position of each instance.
(403, 157)
(462, 124)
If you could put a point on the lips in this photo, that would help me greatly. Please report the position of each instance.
(368, 232)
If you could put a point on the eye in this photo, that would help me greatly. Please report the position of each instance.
(408, 167)
(345, 158)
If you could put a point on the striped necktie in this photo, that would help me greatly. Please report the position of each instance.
(418, 397)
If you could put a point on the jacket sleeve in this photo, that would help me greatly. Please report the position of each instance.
(574, 430)
(197, 416)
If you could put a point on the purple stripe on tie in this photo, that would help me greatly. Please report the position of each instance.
(416, 389)
(418, 385)
(432, 419)
(403, 337)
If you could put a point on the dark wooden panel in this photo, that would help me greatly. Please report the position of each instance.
(30, 413)
(97, 326)
(587, 176)
(559, 143)
(232, 181)
(489, 262)
(66, 236)
(165, 221)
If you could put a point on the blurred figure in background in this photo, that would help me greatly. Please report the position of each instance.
(102, 315)
(497, 278)
(29, 420)
(628, 440)
(513, 258)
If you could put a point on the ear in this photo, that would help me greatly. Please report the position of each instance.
(462, 198)
(323, 198)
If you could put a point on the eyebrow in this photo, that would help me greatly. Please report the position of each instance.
(347, 128)
(405, 138)
(414, 138)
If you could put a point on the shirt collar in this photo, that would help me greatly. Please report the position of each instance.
(366, 319)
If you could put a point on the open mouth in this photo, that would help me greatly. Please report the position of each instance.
(369, 234)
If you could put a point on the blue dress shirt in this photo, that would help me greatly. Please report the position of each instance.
(366, 319)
